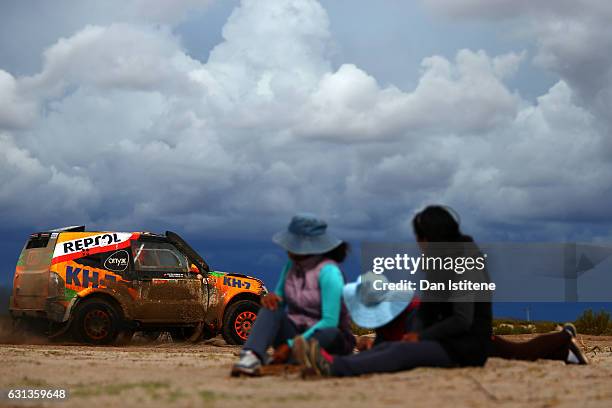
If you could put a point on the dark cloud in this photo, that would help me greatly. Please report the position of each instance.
(122, 129)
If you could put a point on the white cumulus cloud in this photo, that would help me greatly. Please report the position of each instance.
(122, 129)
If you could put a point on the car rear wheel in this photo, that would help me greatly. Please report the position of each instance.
(97, 322)
(238, 321)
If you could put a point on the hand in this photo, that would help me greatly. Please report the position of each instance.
(411, 337)
(281, 354)
(364, 343)
(271, 301)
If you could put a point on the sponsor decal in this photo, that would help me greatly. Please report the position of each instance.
(118, 261)
(174, 275)
(85, 278)
(91, 244)
(236, 283)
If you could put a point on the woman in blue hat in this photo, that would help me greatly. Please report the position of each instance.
(307, 300)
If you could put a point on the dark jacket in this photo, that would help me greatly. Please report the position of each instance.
(466, 343)
(463, 328)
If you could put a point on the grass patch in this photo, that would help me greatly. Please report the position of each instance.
(596, 323)
(208, 395)
(175, 395)
(115, 389)
(295, 397)
(518, 326)
(211, 396)
(31, 382)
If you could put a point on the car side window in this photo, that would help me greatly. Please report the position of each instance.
(158, 257)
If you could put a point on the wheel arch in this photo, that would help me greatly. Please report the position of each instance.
(102, 296)
(241, 296)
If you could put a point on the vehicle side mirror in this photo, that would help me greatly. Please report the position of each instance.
(194, 269)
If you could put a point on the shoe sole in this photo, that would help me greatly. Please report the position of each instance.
(299, 352)
(239, 371)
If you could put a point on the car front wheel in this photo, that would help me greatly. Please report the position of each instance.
(238, 321)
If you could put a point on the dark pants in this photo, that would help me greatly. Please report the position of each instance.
(273, 328)
(392, 356)
(552, 346)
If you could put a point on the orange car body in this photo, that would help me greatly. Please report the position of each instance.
(155, 281)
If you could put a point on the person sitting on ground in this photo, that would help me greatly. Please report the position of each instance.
(448, 333)
(307, 300)
(391, 323)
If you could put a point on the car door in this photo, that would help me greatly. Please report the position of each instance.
(168, 291)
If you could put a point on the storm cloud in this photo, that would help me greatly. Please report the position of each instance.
(122, 128)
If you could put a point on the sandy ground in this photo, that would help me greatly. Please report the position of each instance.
(187, 375)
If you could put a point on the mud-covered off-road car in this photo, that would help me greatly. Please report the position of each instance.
(104, 286)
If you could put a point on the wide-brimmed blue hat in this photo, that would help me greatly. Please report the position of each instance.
(371, 308)
(306, 235)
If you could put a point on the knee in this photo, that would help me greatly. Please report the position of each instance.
(264, 311)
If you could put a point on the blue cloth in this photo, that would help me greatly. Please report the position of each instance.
(392, 356)
(273, 328)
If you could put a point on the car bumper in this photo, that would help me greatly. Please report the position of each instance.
(54, 310)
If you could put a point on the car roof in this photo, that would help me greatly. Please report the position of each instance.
(81, 228)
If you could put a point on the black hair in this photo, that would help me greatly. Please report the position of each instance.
(339, 253)
(436, 223)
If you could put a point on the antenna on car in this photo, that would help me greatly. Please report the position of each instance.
(74, 228)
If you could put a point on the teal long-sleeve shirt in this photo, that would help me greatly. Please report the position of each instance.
(331, 283)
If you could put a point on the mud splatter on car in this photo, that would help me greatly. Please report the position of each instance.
(103, 285)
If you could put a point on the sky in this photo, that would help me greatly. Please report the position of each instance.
(220, 119)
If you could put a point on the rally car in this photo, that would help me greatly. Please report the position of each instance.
(103, 286)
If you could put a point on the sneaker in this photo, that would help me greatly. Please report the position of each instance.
(316, 361)
(249, 364)
(571, 329)
(577, 352)
(576, 355)
(299, 351)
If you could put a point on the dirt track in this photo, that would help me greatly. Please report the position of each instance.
(168, 374)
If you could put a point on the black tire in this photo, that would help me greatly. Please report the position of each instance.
(96, 321)
(238, 321)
